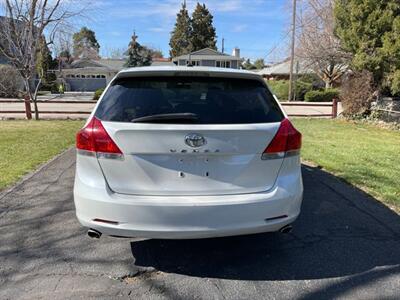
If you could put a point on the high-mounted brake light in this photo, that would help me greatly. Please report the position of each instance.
(93, 140)
(286, 142)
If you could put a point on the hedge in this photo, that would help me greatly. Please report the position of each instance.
(321, 96)
(98, 93)
(281, 89)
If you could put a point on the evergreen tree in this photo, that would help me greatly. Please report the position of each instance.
(370, 30)
(203, 31)
(138, 56)
(247, 65)
(182, 33)
(259, 63)
(45, 62)
(85, 44)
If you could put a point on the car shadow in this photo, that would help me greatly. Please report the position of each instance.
(341, 231)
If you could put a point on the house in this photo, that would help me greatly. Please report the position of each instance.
(88, 74)
(210, 58)
(282, 70)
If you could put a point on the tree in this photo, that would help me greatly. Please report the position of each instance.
(138, 56)
(318, 46)
(45, 62)
(247, 65)
(259, 63)
(9, 81)
(203, 31)
(155, 53)
(86, 44)
(22, 32)
(370, 30)
(114, 52)
(182, 33)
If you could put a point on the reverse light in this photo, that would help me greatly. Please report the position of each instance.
(93, 140)
(286, 142)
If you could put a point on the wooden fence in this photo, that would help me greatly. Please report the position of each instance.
(28, 110)
(333, 113)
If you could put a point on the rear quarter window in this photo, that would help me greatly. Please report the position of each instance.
(212, 100)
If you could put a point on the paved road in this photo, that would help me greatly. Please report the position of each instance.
(345, 245)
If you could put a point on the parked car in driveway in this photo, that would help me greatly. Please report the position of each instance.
(187, 152)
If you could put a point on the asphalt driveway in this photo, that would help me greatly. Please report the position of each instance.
(344, 245)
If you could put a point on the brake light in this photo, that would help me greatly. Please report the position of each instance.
(286, 142)
(94, 140)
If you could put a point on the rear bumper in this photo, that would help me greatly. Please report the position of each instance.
(184, 217)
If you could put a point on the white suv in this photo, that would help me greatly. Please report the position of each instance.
(187, 152)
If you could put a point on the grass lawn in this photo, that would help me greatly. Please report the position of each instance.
(364, 155)
(26, 144)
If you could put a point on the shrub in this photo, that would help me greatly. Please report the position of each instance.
(321, 96)
(302, 88)
(46, 87)
(281, 89)
(10, 82)
(357, 94)
(54, 89)
(98, 93)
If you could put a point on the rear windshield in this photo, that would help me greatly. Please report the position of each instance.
(206, 100)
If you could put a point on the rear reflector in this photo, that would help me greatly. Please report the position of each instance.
(286, 142)
(93, 139)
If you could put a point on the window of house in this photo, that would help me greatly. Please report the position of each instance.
(193, 62)
(223, 64)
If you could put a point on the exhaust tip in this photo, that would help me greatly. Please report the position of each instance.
(286, 229)
(94, 234)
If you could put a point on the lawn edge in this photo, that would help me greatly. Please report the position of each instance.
(29, 175)
(392, 207)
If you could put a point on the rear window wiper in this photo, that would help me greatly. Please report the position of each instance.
(179, 117)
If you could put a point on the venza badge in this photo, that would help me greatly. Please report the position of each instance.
(195, 140)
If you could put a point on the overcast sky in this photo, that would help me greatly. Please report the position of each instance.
(255, 26)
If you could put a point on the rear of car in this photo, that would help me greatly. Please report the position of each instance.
(187, 153)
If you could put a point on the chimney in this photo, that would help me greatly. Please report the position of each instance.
(236, 52)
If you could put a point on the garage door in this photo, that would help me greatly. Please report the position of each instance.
(86, 84)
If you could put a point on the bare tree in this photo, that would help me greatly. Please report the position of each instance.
(317, 44)
(62, 44)
(24, 26)
(113, 52)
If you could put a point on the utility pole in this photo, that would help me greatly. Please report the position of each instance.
(292, 51)
(223, 44)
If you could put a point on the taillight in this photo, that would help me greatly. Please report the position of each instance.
(93, 140)
(286, 142)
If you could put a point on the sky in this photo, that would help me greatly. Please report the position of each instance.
(257, 27)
